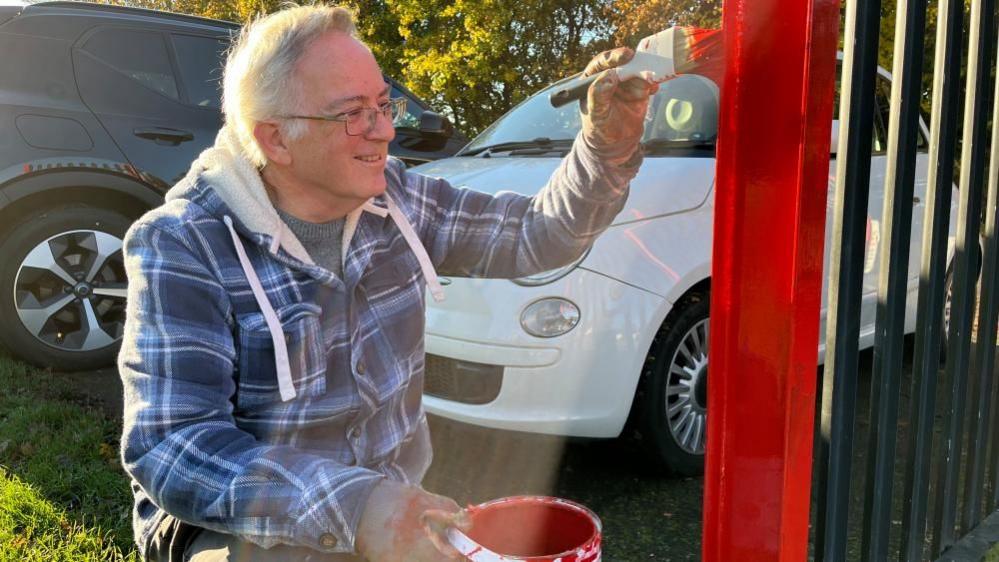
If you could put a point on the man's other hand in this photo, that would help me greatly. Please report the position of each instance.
(614, 111)
(402, 522)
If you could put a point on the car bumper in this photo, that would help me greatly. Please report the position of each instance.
(579, 384)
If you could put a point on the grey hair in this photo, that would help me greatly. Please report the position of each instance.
(258, 82)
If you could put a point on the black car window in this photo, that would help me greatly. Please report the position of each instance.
(685, 109)
(884, 108)
(879, 133)
(881, 111)
(199, 63)
(142, 56)
(412, 117)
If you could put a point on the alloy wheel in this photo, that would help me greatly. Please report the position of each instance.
(70, 290)
(686, 393)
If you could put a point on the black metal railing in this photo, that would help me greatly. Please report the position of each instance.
(925, 440)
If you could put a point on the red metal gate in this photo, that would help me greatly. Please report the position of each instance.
(770, 203)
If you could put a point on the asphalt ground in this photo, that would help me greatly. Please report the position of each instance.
(645, 516)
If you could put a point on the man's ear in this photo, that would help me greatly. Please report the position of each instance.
(272, 142)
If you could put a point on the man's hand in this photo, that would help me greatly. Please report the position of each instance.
(403, 522)
(614, 112)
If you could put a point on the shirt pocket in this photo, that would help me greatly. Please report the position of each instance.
(394, 292)
(256, 373)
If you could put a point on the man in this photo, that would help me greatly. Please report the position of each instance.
(273, 352)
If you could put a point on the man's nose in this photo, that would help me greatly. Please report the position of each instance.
(383, 128)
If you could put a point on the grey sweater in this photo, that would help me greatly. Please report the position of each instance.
(323, 240)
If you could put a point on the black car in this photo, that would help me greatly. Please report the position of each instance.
(102, 109)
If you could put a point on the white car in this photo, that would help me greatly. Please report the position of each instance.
(622, 335)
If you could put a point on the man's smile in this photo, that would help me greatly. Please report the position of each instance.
(371, 159)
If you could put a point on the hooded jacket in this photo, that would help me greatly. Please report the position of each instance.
(264, 395)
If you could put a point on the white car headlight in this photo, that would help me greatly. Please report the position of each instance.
(551, 275)
(549, 317)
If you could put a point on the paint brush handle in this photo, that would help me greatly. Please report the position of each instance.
(659, 57)
(647, 65)
(575, 90)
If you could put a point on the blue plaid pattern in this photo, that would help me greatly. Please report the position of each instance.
(206, 436)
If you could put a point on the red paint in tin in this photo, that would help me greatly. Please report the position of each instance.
(530, 528)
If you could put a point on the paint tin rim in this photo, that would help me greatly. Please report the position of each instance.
(470, 548)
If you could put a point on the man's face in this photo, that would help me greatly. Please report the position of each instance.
(338, 74)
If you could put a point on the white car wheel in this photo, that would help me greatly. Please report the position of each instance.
(670, 408)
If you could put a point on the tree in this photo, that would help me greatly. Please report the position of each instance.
(475, 59)
(634, 19)
(378, 26)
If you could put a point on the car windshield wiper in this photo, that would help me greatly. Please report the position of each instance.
(655, 145)
(540, 143)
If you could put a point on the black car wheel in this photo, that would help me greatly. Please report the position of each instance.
(671, 405)
(948, 302)
(949, 298)
(62, 287)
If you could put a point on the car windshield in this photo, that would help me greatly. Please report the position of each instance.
(683, 113)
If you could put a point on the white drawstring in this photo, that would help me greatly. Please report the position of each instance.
(281, 363)
(414, 244)
(375, 209)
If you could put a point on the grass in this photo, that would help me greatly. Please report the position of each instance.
(63, 493)
(992, 555)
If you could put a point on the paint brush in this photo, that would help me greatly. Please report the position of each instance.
(677, 50)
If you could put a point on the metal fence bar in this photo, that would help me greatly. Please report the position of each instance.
(973, 156)
(992, 501)
(853, 170)
(929, 319)
(985, 347)
(889, 330)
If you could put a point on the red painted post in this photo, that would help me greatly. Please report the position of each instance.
(770, 205)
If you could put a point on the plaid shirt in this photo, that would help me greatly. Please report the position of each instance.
(207, 437)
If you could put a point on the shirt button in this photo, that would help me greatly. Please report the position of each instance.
(327, 540)
(360, 367)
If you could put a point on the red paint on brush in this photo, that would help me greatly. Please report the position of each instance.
(705, 53)
(697, 51)
(536, 529)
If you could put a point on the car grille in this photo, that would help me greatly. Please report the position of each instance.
(461, 381)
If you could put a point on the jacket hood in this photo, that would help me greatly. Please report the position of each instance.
(229, 173)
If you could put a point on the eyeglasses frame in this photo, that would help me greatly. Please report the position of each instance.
(396, 106)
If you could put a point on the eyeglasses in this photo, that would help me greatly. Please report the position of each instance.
(363, 120)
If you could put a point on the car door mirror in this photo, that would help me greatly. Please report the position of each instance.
(834, 141)
(432, 124)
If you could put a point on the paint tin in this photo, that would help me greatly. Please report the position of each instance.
(530, 528)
